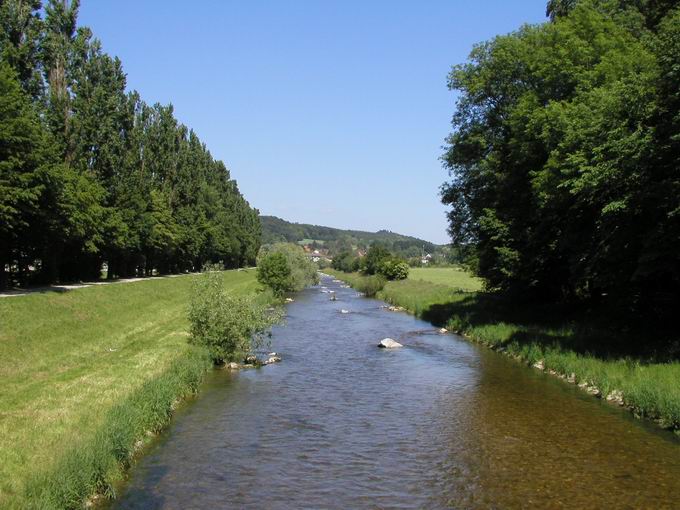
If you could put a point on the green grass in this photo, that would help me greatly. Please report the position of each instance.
(454, 277)
(585, 350)
(85, 374)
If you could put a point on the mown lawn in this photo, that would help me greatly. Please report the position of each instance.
(77, 368)
(586, 350)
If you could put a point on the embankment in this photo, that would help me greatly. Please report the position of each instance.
(88, 377)
(583, 353)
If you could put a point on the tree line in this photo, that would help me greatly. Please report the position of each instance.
(565, 156)
(90, 175)
(378, 261)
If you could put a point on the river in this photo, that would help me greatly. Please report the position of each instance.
(439, 423)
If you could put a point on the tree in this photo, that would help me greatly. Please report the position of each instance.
(22, 156)
(374, 257)
(274, 272)
(91, 174)
(563, 153)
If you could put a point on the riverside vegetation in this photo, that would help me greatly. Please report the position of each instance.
(100, 369)
(87, 379)
(91, 176)
(568, 342)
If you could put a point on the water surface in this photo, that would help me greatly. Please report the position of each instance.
(439, 423)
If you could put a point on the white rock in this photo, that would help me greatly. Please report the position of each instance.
(233, 366)
(616, 396)
(289, 300)
(388, 343)
(272, 359)
(540, 365)
(344, 311)
(443, 330)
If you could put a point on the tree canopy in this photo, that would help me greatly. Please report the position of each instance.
(91, 175)
(564, 159)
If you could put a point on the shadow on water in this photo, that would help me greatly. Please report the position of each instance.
(439, 423)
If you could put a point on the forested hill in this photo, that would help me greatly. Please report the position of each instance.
(91, 176)
(277, 230)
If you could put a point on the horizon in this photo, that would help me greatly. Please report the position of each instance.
(301, 103)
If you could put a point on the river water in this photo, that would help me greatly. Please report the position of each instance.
(439, 423)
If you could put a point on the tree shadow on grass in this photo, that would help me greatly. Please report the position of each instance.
(562, 327)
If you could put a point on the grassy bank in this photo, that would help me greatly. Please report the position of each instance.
(85, 374)
(581, 350)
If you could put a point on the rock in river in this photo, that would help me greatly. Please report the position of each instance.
(388, 343)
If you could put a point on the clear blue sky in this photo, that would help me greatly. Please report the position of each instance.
(326, 112)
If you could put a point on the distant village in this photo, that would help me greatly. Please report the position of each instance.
(318, 254)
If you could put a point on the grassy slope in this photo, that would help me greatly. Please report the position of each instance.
(86, 368)
(544, 337)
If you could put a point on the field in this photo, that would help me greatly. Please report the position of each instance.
(85, 374)
(454, 277)
(581, 349)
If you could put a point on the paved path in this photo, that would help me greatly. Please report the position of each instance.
(81, 285)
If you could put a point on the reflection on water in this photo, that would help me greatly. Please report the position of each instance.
(439, 423)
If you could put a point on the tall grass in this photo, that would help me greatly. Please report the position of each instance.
(96, 463)
(367, 285)
(562, 341)
(84, 374)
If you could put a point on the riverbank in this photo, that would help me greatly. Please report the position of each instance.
(544, 340)
(88, 377)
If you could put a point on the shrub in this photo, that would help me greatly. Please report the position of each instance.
(345, 262)
(370, 285)
(301, 270)
(228, 326)
(375, 256)
(393, 269)
(274, 272)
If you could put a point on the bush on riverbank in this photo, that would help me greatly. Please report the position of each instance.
(284, 267)
(367, 285)
(649, 383)
(228, 326)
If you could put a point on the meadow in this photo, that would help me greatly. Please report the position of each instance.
(621, 366)
(87, 376)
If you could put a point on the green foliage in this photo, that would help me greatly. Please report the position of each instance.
(228, 326)
(345, 261)
(274, 272)
(393, 269)
(371, 285)
(91, 174)
(376, 255)
(367, 285)
(564, 157)
(284, 267)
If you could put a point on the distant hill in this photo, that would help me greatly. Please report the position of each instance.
(335, 239)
